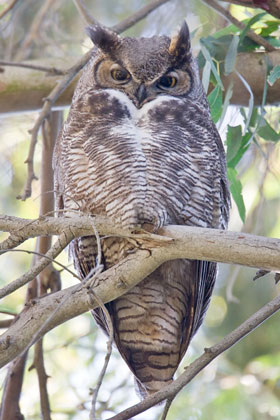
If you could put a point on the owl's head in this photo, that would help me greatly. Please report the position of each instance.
(143, 68)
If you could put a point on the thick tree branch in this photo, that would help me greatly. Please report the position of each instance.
(177, 241)
(188, 242)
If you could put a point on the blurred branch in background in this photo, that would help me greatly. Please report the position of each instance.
(48, 279)
(9, 8)
(26, 98)
(251, 34)
(271, 6)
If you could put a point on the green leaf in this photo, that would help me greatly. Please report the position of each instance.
(215, 99)
(251, 22)
(208, 57)
(231, 55)
(271, 26)
(267, 132)
(206, 76)
(226, 103)
(228, 30)
(274, 75)
(237, 145)
(236, 191)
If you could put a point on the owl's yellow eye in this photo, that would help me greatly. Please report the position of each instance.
(120, 75)
(167, 82)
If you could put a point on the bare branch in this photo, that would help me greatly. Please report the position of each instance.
(52, 71)
(10, 408)
(209, 354)
(251, 34)
(188, 242)
(33, 30)
(84, 12)
(33, 86)
(8, 8)
(166, 408)
(174, 242)
(137, 16)
(271, 6)
(38, 364)
(107, 357)
(5, 323)
(54, 251)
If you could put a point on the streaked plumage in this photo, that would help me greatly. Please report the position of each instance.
(144, 152)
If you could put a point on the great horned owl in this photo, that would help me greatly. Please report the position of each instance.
(139, 146)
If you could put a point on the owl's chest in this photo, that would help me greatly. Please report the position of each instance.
(136, 164)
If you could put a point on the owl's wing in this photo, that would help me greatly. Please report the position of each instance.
(225, 202)
(206, 276)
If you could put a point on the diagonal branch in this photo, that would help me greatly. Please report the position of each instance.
(62, 242)
(209, 354)
(8, 8)
(188, 242)
(251, 34)
(271, 6)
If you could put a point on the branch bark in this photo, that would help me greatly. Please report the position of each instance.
(271, 6)
(187, 242)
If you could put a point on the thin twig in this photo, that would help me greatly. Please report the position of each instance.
(84, 12)
(98, 242)
(6, 323)
(39, 254)
(271, 7)
(65, 298)
(209, 354)
(54, 251)
(137, 16)
(107, 357)
(251, 34)
(10, 408)
(48, 102)
(34, 30)
(52, 71)
(38, 364)
(8, 8)
(166, 408)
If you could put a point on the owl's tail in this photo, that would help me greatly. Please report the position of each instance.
(154, 382)
(153, 324)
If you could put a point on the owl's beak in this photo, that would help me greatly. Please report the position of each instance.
(141, 94)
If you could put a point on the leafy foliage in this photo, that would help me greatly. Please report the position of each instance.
(218, 57)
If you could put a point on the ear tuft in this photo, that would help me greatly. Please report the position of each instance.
(103, 38)
(180, 44)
